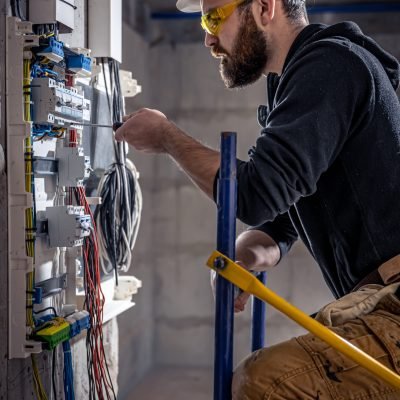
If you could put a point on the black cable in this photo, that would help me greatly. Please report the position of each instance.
(20, 15)
(70, 4)
(46, 309)
(13, 5)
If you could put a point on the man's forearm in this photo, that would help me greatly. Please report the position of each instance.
(257, 250)
(199, 162)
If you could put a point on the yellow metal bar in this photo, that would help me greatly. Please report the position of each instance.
(250, 284)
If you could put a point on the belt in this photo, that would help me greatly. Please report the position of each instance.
(386, 274)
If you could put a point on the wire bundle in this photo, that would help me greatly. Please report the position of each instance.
(100, 384)
(37, 383)
(68, 372)
(16, 9)
(118, 217)
(99, 375)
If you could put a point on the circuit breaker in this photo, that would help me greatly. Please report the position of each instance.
(67, 226)
(73, 166)
(56, 104)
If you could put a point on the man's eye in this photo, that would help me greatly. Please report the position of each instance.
(213, 18)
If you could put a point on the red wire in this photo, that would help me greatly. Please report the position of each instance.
(96, 304)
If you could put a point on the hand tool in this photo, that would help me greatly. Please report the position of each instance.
(114, 126)
(250, 284)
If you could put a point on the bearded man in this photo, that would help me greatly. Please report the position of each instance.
(326, 168)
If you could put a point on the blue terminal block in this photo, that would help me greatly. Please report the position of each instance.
(43, 319)
(78, 322)
(37, 295)
(79, 64)
(53, 51)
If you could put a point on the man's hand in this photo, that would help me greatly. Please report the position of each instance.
(255, 251)
(150, 131)
(240, 301)
(146, 130)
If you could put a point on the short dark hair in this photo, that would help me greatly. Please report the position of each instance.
(294, 9)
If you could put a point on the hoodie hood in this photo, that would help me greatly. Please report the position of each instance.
(351, 32)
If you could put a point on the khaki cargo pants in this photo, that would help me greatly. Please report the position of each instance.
(305, 368)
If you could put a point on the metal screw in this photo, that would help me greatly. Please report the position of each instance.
(220, 263)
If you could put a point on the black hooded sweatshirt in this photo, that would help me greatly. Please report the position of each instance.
(327, 164)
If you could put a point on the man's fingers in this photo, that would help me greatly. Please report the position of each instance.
(126, 117)
(119, 134)
(241, 301)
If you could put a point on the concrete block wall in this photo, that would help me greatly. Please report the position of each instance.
(190, 92)
(136, 326)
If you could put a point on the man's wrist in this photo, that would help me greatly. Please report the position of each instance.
(170, 142)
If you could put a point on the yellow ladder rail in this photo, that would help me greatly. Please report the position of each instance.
(250, 284)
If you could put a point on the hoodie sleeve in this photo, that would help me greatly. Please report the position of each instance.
(322, 96)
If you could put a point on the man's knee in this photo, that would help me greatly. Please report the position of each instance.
(263, 369)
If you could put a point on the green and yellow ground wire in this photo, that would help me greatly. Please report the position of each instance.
(30, 225)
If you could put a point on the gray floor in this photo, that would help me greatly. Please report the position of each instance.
(176, 384)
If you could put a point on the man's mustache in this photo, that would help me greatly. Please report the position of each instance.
(218, 52)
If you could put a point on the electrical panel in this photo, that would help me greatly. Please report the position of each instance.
(59, 256)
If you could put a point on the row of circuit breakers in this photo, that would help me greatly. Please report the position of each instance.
(56, 105)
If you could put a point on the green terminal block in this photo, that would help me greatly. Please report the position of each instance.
(56, 333)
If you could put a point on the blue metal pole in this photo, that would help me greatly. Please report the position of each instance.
(258, 323)
(226, 202)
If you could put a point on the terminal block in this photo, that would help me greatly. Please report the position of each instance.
(53, 51)
(56, 332)
(79, 322)
(79, 64)
(53, 103)
(68, 225)
(73, 166)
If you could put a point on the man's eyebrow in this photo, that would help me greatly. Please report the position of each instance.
(211, 9)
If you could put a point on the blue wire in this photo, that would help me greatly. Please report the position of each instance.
(68, 372)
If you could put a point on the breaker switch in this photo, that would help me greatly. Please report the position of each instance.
(68, 226)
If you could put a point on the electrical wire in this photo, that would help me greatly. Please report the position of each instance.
(68, 372)
(16, 10)
(30, 222)
(37, 383)
(118, 217)
(100, 383)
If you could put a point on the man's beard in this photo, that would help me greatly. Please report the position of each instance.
(249, 55)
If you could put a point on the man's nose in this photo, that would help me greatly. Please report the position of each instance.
(210, 40)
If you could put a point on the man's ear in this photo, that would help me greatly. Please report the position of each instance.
(264, 11)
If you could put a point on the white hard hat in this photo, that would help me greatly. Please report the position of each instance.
(188, 6)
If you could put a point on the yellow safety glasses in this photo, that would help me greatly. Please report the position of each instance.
(212, 21)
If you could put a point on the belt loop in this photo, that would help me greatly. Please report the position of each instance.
(390, 270)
